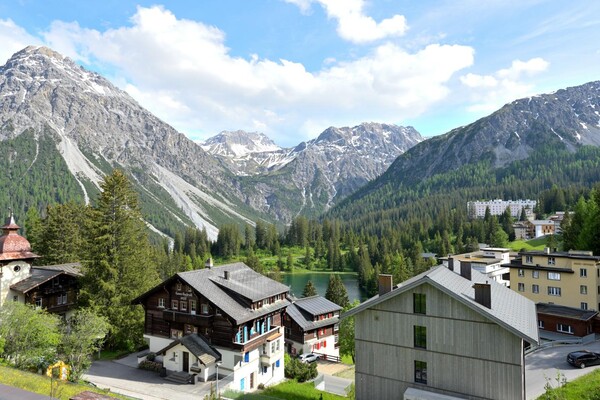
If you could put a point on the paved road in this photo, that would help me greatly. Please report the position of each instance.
(140, 384)
(545, 363)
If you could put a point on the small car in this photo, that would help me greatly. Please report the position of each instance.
(308, 357)
(583, 358)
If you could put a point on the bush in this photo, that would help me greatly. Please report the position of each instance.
(150, 365)
(261, 386)
(151, 356)
(294, 369)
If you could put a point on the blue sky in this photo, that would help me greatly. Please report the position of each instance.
(292, 68)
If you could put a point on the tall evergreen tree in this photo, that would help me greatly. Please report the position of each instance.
(309, 289)
(336, 291)
(119, 268)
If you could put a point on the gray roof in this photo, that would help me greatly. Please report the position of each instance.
(43, 274)
(316, 305)
(564, 311)
(304, 320)
(70, 268)
(198, 346)
(509, 309)
(233, 296)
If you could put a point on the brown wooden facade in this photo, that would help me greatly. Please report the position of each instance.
(58, 295)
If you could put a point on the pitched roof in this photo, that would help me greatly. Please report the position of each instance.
(233, 295)
(198, 346)
(316, 305)
(304, 320)
(43, 274)
(564, 311)
(510, 310)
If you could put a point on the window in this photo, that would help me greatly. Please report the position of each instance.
(17, 268)
(62, 299)
(540, 324)
(551, 261)
(15, 298)
(554, 276)
(38, 302)
(174, 304)
(183, 305)
(584, 306)
(521, 272)
(535, 274)
(583, 272)
(420, 335)
(204, 308)
(419, 303)
(193, 306)
(161, 302)
(553, 291)
(564, 328)
(521, 287)
(535, 288)
(421, 372)
(218, 312)
(582, 289)
(529, 259)
(178, 286)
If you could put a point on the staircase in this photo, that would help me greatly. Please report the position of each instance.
(179, 377)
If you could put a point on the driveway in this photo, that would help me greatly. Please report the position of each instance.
(141, 384)
(548, 362)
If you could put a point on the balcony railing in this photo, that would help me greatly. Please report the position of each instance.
(186, 317)
(256, 340)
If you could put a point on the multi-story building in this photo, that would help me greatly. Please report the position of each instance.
(53, 287)
(564, 278)
(490, 261)
(233, 317)
(439, 332)
(476, 209)
(311, 326)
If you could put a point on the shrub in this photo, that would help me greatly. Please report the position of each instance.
(151, 356)
(294, 369)
(261, 386)
(150, 365)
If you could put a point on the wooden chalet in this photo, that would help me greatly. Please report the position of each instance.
(233, 309)
(311, 326)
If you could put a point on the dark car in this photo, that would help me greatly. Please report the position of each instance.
(583, 358)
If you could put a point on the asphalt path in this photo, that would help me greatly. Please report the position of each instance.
(547, 363)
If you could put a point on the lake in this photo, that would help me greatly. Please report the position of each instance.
(297, 281)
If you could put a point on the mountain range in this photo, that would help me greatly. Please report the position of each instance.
(81, 126)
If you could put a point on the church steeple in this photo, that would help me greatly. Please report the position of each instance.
(12, 245)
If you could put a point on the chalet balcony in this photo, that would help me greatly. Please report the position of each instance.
(186, 317)
(257, 340)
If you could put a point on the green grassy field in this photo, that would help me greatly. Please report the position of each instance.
(41, 384)
(586, 387)
(533, 244)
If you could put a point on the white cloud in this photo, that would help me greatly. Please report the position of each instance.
(13, 39)
(182, 71)
(489, 92)
(353, 24)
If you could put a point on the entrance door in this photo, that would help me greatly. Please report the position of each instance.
(186, 361)
(252, 380)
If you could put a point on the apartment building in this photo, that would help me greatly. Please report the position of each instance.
(490, 261)
(476, 209)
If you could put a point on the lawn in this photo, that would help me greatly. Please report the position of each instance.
(289, 390)
(586, 387)
(533, 244)
(41, 384)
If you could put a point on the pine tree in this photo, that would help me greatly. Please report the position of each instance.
(119, 268)
(309, 289)
(336, 291)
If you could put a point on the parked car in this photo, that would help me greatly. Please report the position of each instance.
(308, 357)
(583, 358)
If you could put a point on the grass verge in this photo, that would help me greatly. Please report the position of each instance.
(288, 390)
(586, 387)
(41, 384)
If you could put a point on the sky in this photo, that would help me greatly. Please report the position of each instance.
(292, 68)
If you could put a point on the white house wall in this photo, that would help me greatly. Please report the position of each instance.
(9, 276)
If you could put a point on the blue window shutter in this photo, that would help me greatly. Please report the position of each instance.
(242, 384)
(269, 324)
(245, 334)
(237, 337)
(277, 363)
(247, 356)
(262, 327)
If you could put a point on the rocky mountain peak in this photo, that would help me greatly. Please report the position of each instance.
(239, 144)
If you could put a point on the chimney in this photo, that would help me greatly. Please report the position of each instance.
(385, 283)
(451, 263)
(209, 263)
(465, 270)
(226, 275)
(483, 294)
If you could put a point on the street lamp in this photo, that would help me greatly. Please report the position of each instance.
(218, 363)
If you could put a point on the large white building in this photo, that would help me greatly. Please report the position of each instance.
(476, 209)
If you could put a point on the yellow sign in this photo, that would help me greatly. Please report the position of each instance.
(61, 371)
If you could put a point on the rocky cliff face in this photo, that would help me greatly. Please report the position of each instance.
(237, 177)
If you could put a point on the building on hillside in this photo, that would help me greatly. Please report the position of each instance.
(557, 277)
(311, 326)
(233, 316)
(441, 333)
(491, 261)
(476, 209)
(53, 287)
(543, 227)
